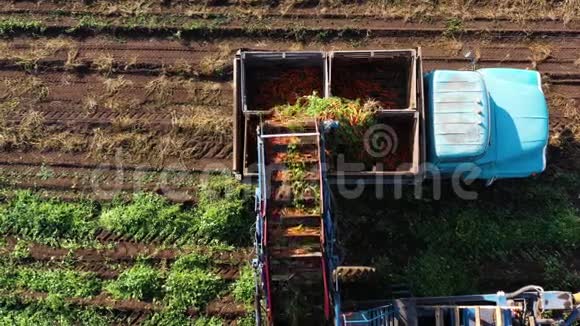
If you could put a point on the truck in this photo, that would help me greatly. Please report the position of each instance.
(487, 124)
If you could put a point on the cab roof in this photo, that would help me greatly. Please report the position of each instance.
(459, 116)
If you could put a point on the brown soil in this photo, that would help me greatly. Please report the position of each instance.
(223, 307)
(481, 10)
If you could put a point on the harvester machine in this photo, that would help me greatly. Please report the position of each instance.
(530, 305)
(469, 117)
(294, 232)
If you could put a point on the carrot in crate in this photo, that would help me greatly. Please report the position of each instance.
(286, 87)
(369, 82)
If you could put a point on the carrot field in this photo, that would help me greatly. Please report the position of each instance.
(117, 201)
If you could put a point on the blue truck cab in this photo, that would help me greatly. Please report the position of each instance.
(488, 124)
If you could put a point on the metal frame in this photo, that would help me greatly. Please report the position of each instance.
(416, 106)
(304, 56)
(369, 54)
(330, 241)
(380, 316)
(327, 238)
(261, 264)
(529, 301)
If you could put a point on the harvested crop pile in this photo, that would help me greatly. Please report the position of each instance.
(348, 123)
(276, 85)
(302, 189)
(371, 80)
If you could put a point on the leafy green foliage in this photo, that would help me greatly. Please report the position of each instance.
(434, 275)
(9, 25)
(222, 216)
(64, 282)
(169, 317)
(209, 321)
(248, 320)
(297, 180)
(21, 250)
(485, 230)
(195, 288)
(149, 216)
(140, 282)
(223, 220)
(89, 22)
(45, 313)
(331, 108)
(244, 288)
(191, 261)
(223, 211)
(47, 221)
(453, 27)
(559, 273)
(7, 277)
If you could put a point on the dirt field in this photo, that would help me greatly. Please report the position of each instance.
(100, 99)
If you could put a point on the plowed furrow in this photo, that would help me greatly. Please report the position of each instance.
(128, 251)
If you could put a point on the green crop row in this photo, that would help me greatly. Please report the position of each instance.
(50, 311)
(221, 216)
(9, 25)
(53, 310)
(189, 282)
(532, 221)
(67, 283)
(178, 289)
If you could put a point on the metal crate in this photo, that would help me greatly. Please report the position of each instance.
(398, 67)
(258, 64)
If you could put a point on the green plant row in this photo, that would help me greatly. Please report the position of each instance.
(189, 282)
(220, 216)
(68, 283)
(9, 25)
(175, 27)
(53, 310)
(297, 180)
(177, 289)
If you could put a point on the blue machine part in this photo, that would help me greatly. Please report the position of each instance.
(494, 119)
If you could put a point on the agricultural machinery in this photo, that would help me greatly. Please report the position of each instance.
(487, 124)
